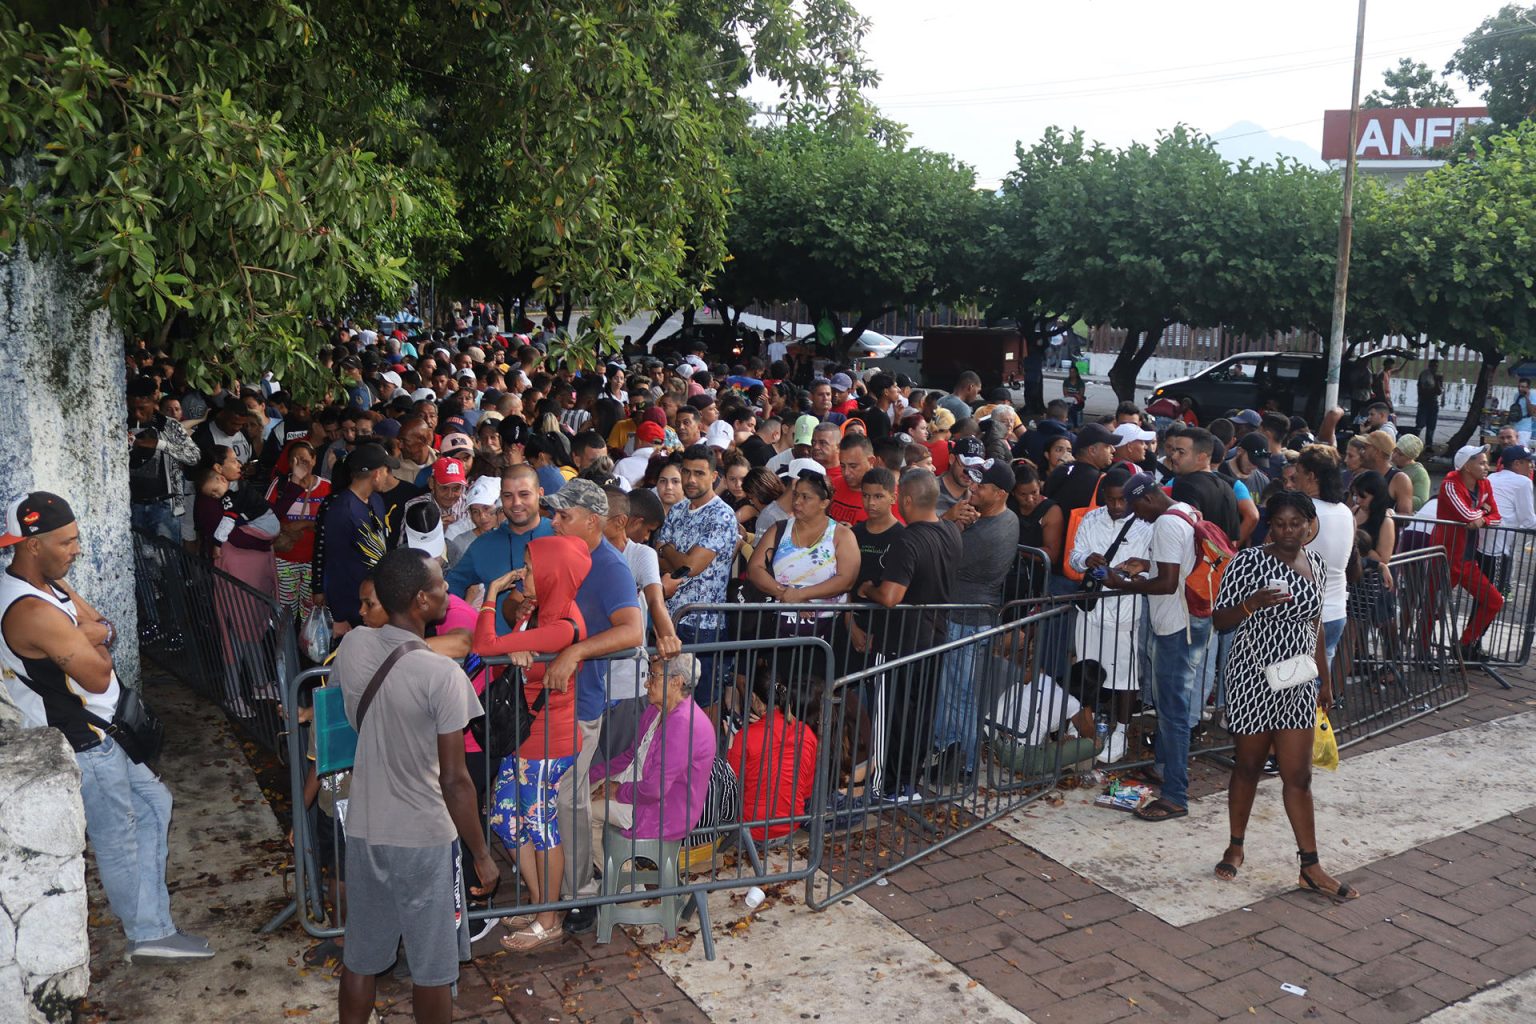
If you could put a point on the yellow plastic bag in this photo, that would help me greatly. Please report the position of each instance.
(1325, 748)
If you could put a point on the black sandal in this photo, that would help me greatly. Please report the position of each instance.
(1160, 810)
(1309, 860)
(1226, 870)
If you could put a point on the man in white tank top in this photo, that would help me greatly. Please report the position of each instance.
(56, 656)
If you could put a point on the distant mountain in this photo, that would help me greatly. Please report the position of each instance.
(1246, 140)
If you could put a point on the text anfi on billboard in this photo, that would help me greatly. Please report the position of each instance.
(1397, 133)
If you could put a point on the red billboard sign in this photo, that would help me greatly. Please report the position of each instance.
(1397, 133)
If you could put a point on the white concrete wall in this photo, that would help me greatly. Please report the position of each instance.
(64, 427)
(44, 950)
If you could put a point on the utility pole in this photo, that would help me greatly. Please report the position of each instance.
(1346, 229)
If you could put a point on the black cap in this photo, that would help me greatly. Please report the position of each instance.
(1094, 433)
(34, 514)
(367, 457)
(142, 387)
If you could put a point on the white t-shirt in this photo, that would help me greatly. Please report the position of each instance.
(1333, 543)
(626, 676)
(1173, 540)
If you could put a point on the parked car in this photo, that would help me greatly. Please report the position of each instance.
(1293, 380)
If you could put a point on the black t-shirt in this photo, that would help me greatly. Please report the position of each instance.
(757, 451)
(872, 551)
(1214, 498)
(922, 560)
(1071, 486)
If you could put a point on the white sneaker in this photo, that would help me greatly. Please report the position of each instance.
(175, 946)
(1114, 746)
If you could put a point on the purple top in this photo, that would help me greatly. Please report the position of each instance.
(674, 780)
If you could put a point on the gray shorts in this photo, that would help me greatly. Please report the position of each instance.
(400, 892)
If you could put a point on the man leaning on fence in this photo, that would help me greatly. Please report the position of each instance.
(56, 653)
(1466, 500)
(412, 800)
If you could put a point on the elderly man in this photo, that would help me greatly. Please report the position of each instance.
(1131, 445)
(1516, 501)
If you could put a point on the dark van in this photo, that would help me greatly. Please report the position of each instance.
(1294, 380)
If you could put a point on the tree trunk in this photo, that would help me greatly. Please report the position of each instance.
(662, 316)
(1134, 353)
(861, 325)
(565, 313)
(1491, 362)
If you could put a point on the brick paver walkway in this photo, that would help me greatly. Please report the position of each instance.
(1437, 924)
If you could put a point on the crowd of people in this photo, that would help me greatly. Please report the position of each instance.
(463, 495)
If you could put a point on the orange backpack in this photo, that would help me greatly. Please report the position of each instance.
(1074, 520)
(1212, 553)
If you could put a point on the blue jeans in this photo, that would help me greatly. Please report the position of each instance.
(1174, 658)
(711, 666)
(127, 818)
(155, 517)
(1333, 631)
(1211, 676)
(1056, 635)
(958, 715)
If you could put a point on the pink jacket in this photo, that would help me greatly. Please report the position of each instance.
(674, 780)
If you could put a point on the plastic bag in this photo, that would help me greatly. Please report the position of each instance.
(315, 635)
(1325, 747)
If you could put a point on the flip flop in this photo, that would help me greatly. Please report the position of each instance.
(1160, 810)
(322, 953)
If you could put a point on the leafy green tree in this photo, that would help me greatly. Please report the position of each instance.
(237, 170)
(1460, 244)
(1499, 57)
(847, 221)
(1410, 84)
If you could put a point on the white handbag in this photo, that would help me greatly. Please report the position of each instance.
(1292, 672)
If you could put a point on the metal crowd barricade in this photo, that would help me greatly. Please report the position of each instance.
(229, 642)
(746, 819)
(1399, 658)
(1503, 556)
(971, 731)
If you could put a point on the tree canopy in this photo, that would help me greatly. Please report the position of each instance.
(1411, 84)
(845, 220)
(1499, 56)
(232, 172)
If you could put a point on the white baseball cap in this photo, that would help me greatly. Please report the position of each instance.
(390, 376)
(1126, 433)
(484, 491)
(424, 527)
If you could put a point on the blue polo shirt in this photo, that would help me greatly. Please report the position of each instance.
(609, 587)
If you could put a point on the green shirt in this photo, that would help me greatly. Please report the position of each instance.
(1419, 477)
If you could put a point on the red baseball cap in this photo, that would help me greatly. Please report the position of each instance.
(650, 433)
(448, 471)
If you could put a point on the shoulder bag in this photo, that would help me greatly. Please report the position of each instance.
(136, 728)
(507, 718)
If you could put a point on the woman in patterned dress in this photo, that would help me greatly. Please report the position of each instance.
(1271, 598)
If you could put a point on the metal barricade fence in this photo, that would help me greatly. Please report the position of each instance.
(1491, 584)
(857, 633)
(933, 744)
(1398, 658)
(229, 642)
(690, 808)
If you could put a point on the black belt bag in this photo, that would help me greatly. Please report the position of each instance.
(136, 728)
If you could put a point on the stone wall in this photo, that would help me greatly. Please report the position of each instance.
(64, 429)
(44, 950)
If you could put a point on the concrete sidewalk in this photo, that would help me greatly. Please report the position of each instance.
(987, 929)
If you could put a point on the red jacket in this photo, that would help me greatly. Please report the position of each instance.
(1458, 504)
(560, 564)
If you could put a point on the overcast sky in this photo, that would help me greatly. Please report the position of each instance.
(972, 77)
